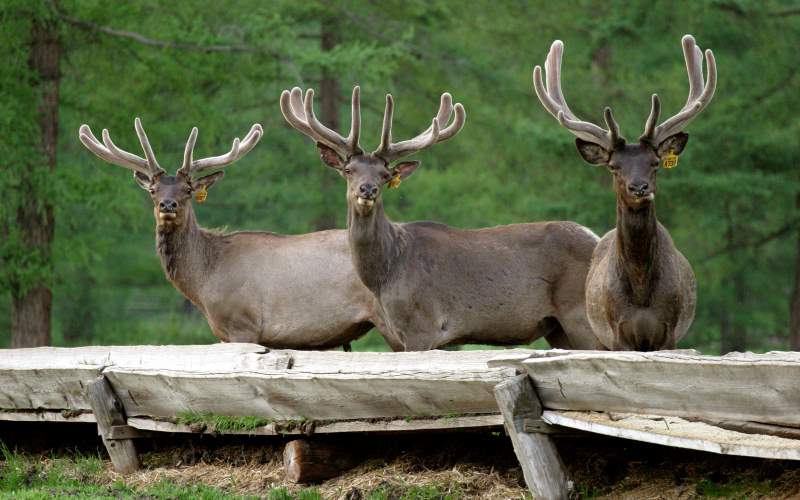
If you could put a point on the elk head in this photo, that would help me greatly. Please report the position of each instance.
(367, 174)
(634, 166)
(171, 194)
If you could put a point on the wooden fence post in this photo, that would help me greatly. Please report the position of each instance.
(544, 473)
(108, 413)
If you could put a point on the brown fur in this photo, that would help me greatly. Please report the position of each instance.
(438, 285)
(640, 290)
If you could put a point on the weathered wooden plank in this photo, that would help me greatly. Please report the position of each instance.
(320, 386)
(515, 357)
(108, 413)
(679, 433)
(375, 426)
(744, 387)
(541, 465)
(46, 416)
(55, 378)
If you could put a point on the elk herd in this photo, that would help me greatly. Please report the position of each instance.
(425, 285)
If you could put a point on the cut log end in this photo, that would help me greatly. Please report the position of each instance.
(306, 461)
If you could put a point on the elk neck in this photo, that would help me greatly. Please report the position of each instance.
(637, 248)
(185, 254)
(375, 245)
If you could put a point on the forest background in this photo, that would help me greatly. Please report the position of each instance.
(77, 258)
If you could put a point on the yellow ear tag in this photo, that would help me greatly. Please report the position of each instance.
(395, 182)
(671, 161)
(201, 195)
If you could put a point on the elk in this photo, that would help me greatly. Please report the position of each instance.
(438, 285)
(640, 290)
(297, 292)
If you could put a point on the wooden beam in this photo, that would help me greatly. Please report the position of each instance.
(541, 465)
(46, 416)
(678, 433)
(108, 413)
(372, 426)
(741, 387)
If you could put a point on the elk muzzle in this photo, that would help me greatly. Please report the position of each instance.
(367, 193)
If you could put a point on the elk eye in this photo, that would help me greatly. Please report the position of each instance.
(613, 167)
(347, 171)
(152, 190)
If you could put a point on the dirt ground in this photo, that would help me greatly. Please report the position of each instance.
(445, 465)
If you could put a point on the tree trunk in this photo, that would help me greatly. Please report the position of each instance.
(794, 303)
(733, 333)
(31, 304)
(329, 97)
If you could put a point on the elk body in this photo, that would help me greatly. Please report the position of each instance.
(640, 291)
(297, 292)
(438, 285)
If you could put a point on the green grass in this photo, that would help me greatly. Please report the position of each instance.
(223, 424)
(741, 488)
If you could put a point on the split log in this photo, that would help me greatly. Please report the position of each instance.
(312, 462)
(108, 413)
(541, 465)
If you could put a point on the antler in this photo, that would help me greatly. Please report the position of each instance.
(109, 152)
(434, 134)
(191, 167)
(700, 94)
(552, 98)
(301, 116)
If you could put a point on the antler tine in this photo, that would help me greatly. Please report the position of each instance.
(652, 119)
(238, 150)
(699, 94)
(292, 110)
(456, 126)
(355, 122)
(91, 143)
(148, 150)
(386, 129)
(188, 152)
(552, 98)
(323, 133)
(434, 134)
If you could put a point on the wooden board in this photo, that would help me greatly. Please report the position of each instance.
(319, 386)
(393, 425)
(679, 433)
(55, 378)
(45, 416)
(742, 387)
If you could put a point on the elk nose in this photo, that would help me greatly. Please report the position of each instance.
(638, 187)
(167, 205)
(368, 190)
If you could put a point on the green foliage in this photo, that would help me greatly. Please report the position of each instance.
(735, 186)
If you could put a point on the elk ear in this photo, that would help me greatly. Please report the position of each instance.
(592, 153)
(142, 180)
(208, 181)
(330, 157)
(674, 143)
(405, 168)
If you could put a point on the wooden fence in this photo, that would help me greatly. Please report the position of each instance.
(741, 404)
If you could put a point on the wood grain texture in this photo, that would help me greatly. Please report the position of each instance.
(307, 461)
(742, 387)
(541, 465)
(679, 433)
(108, 413)
(319, 386)
(46, 416)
